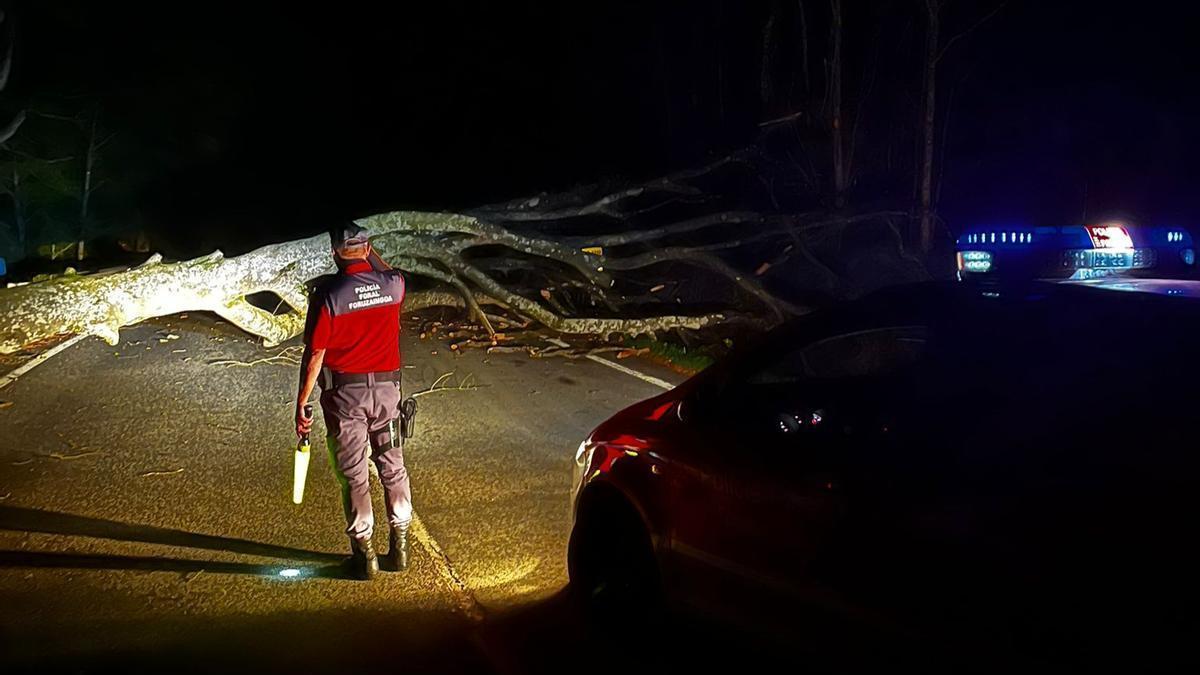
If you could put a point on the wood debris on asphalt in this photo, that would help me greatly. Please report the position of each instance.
(288, 357)
(67, 458)
(162, 473)
(463, 336)
(439, 385)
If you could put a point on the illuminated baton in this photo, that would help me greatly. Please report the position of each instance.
(300, 468)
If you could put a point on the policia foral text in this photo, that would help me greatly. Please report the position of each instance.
(352, 348)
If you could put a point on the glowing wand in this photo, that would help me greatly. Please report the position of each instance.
(300, 467)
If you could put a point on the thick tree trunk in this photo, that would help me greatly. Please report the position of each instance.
(425, 244)
(100, 305)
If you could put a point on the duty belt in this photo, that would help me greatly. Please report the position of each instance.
(331, 379)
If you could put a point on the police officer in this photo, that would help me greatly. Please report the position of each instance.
(352, 347)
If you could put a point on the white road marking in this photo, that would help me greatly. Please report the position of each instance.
(462, 593)
(37, 361)
(662, 384)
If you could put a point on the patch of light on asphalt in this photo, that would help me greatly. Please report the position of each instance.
(289, 573)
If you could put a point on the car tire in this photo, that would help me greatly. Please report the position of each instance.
(613, 569)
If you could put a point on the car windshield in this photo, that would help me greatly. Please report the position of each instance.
(850, 355)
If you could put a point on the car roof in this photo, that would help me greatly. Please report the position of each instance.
(991, 310)
(1182, 288)
(1100, 291)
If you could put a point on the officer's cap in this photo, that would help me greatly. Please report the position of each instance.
(347, 235)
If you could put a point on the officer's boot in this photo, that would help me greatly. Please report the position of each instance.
(363, 560)
(397, 557)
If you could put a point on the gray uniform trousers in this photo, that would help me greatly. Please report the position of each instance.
(357, 417)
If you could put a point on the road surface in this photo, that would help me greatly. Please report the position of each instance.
(146, 515)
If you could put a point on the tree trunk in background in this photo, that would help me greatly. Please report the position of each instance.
(804, 49)
(86, 193)
(19, 212)
(767, 76)
(719, 22)
(928, 127)
(835, 94)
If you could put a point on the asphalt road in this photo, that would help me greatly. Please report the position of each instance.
(146, 515)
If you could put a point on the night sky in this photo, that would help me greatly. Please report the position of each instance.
(270, 119)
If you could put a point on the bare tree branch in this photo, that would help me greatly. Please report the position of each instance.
(675, 183)
(781, 120)
(655, 233)
(9, 130)
(699, 258)
(6, 63)
(987, 17)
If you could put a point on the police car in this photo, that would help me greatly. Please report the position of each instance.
(1075, 252)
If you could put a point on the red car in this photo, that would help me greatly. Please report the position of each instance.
(975, 468)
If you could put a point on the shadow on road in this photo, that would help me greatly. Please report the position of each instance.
(316, 642)
(48, 522)
(548, 636)
(150, 564)
(554, 636)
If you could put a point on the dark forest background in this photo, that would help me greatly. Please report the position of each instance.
(231, 125)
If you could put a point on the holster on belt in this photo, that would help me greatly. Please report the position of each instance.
(408, 417)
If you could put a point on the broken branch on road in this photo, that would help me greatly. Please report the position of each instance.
(67, 458)
(288, 357)
(162, 473)
(439, 385)
(499, 256)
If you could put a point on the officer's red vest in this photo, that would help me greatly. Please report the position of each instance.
(355, 318)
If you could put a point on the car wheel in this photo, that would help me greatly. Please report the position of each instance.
(611, 561)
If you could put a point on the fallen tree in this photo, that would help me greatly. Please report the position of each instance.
(501, 255)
